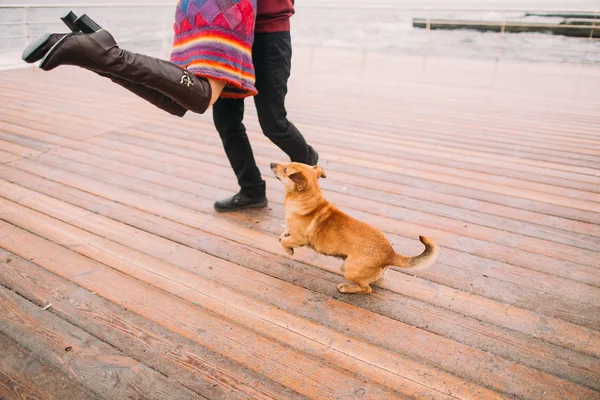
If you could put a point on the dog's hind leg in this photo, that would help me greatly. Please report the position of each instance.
(346, 288)
(361, 277)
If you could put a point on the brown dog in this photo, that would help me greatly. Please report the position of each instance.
(314, 222)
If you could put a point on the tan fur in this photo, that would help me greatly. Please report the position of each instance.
(314, 222)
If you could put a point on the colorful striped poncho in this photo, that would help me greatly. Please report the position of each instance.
(213, 38)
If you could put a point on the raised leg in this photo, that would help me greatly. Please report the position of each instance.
(289, 242)
(284, 235)
(100, 53)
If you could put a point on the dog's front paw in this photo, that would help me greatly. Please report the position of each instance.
(289, 250)
(284, 235)
(343, 287)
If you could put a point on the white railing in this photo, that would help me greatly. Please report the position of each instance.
(20, 23)
(16, 32)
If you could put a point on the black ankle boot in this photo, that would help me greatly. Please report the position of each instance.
(240, 201)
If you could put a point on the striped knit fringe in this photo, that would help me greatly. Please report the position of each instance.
(214, 50)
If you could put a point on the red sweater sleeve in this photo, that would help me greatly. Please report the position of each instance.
(273, 15)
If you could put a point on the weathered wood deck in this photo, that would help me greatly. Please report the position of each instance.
(106, 215)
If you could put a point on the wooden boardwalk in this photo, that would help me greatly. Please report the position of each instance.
(119, 281)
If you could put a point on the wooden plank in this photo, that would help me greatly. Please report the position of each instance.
(320, 129)
(402, 228)
(331, 80)
(183, 361)
(405, 148)
(12, 389)
(463, 119)
(102, 369)
(564, 252)
(440, 84)
(427, 102)
(21, 140)
(542, 112)
(439, 176)
(24, 376)
(478, 164)
(163, 142)
(117, 256)
(379, 109)
(454, 128)
(300, 372)
(408, 141)
(278, 266)
(403, 142)
(173, 253)
(72, 103)
(396, 145)
(357, 357)
(326, 184)
(552, 143)
(552, 330)
(412, 66)
(521, 203)
(459, 129)
(595, 227)
(579, 257)
(6, 158)
(21, 151)
(585, 296)
(105, 87)
(122, 149)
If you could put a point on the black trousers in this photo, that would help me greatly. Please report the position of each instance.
(272, 55)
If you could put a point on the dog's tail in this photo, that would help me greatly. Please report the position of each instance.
(422, 261)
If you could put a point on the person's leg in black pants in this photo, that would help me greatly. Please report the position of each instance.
(271, 55)
(228, 115)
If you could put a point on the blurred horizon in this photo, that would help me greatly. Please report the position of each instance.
(381, 26)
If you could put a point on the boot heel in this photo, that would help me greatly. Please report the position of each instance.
(86, 24)
(69, 20)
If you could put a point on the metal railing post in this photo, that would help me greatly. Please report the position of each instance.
(25, 25)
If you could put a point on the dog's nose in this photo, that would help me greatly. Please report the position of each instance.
(273, 165)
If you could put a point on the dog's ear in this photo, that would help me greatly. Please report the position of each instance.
(300, 180)
(320, 172)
